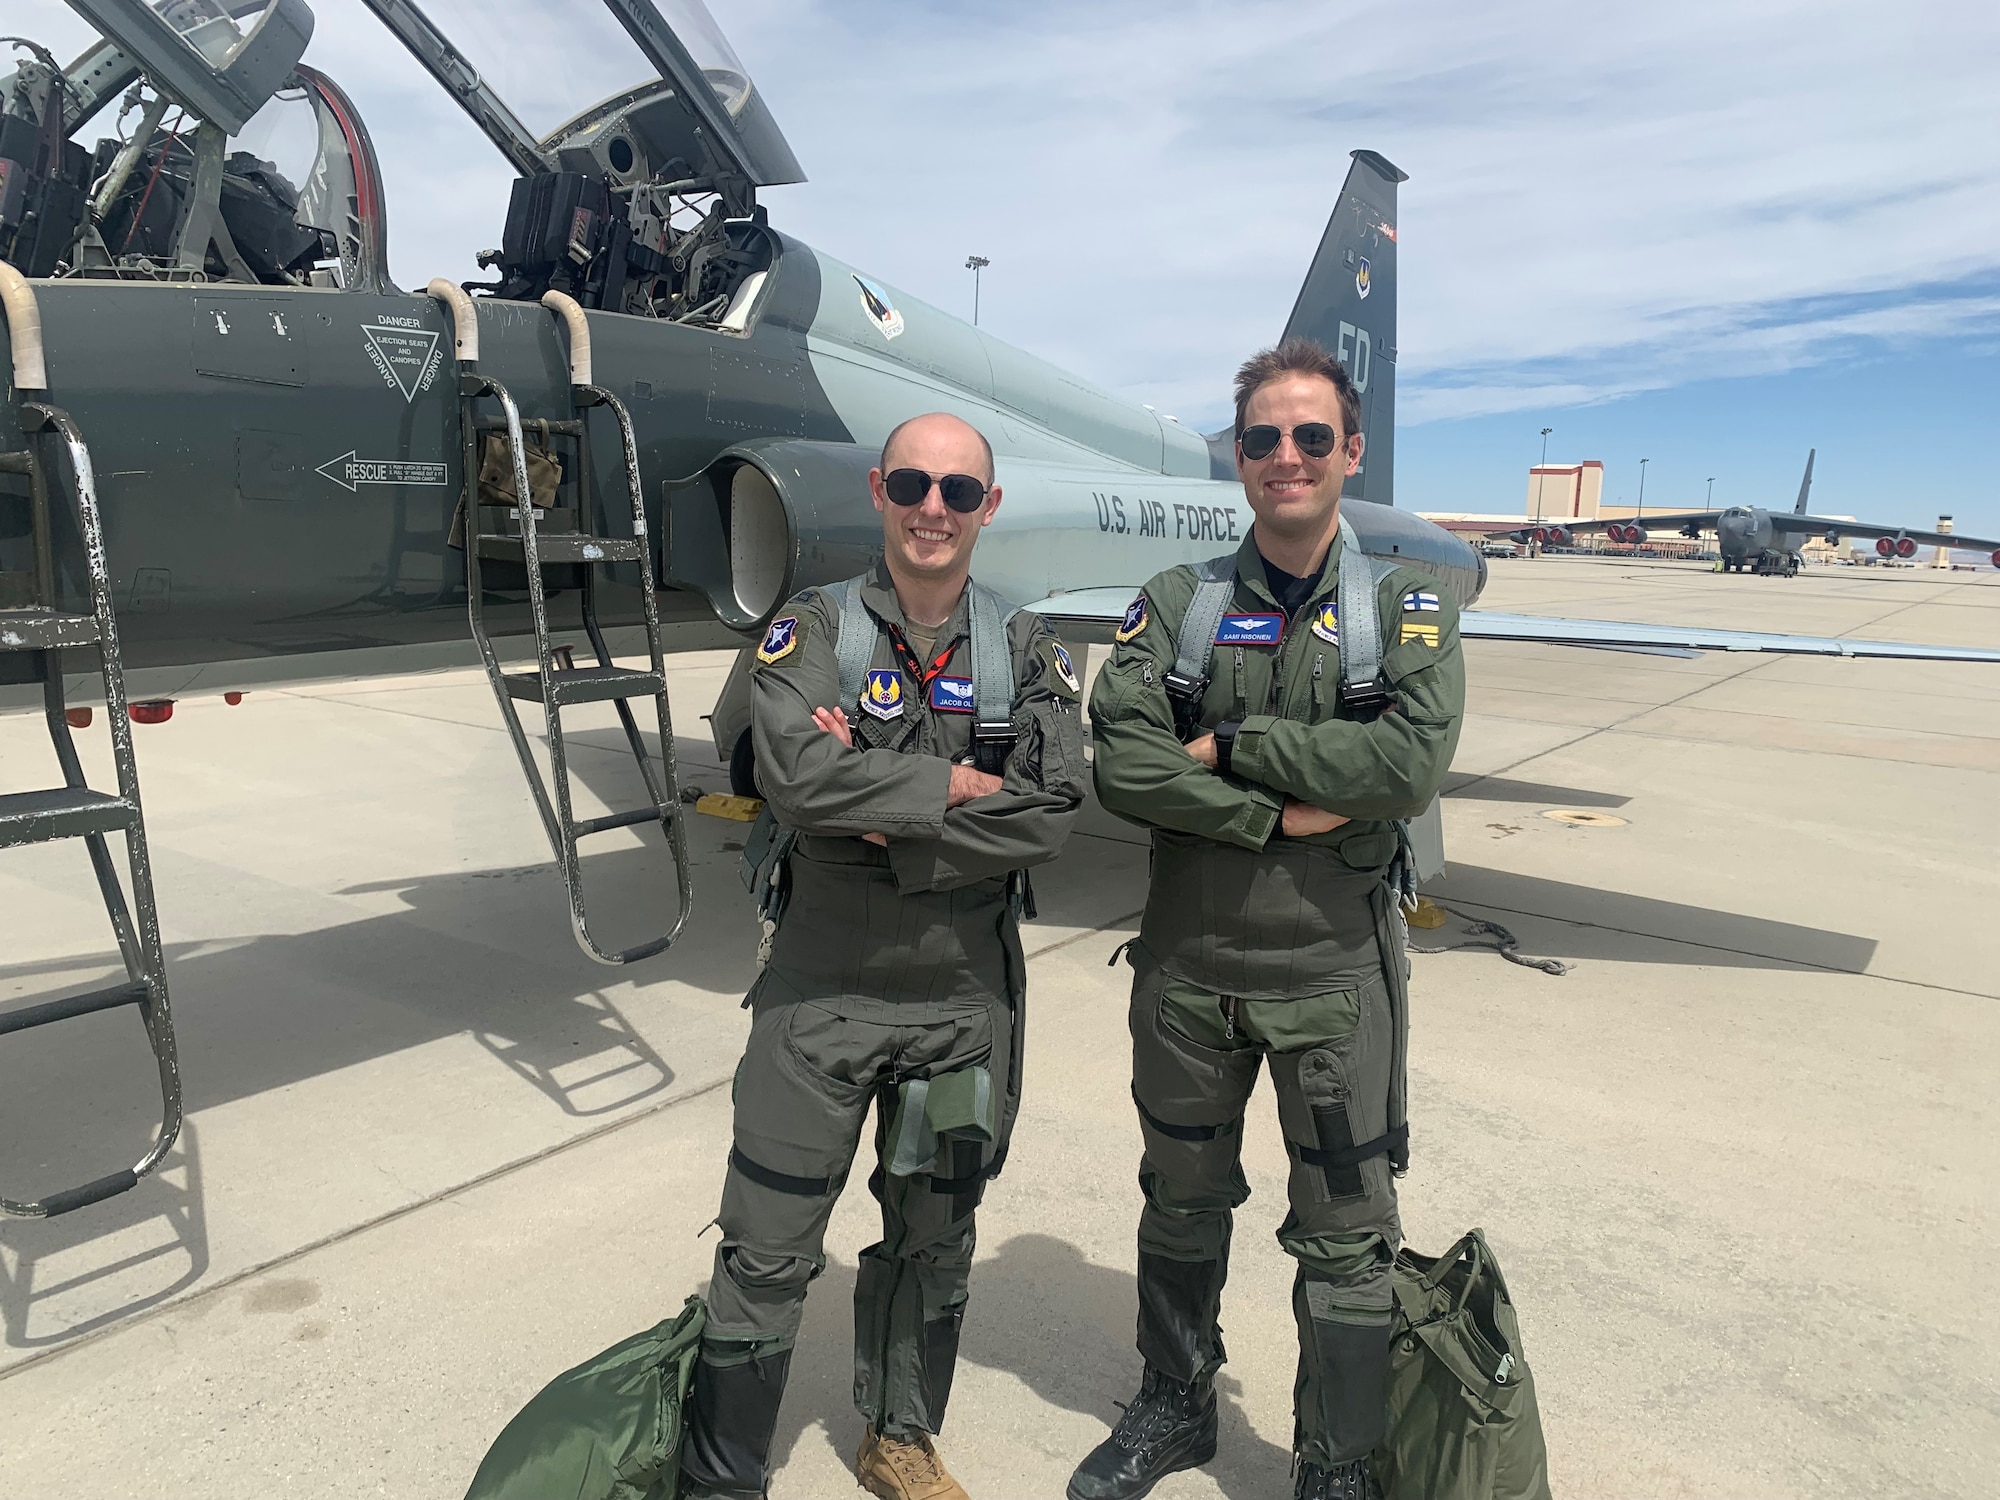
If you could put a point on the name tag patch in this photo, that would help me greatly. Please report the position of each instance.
(951, 695)
(883, 695)
(1250, 630)
(1326, 624)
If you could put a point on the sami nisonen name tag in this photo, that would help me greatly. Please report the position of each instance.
(1250, 630)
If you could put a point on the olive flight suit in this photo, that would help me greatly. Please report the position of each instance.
(895, 979)
(1257, 948)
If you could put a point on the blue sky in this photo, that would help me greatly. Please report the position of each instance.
(1714, 234)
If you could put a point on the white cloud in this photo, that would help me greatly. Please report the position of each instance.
(1602, 200)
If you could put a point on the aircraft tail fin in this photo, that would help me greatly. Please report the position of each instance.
(1805, 484)
(1348, 306)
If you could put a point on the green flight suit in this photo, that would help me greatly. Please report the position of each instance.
(1258, 948)
(890, 965)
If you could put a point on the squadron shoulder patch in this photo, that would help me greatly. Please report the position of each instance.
(1065, 668)
(1135, 621)
(1326, 623)
(882, 695)
(780, 640)
(1419, 630)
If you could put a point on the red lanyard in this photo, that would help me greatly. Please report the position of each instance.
(914, 669)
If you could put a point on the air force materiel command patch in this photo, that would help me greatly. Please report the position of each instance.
(1135, 621)
(1065, 668)
(951, 695)
(1419, 600)
(1326, 623)
(1250, 630)
(883, 695)
(779, 640)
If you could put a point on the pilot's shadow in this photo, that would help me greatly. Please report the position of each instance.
(1043, 1313)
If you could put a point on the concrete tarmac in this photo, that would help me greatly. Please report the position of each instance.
(1739, 1164)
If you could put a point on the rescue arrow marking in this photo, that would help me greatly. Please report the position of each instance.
(350, 472)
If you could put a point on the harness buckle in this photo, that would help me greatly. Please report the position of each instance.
(1184, 693)
(991, 745)
(1366, 700)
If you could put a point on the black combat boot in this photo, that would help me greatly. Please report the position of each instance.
(1350, 1480)
(1167, 1428)
(732, 1415)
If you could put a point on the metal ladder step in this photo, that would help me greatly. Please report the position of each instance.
(132, 992)
(44, 630)
(556, 547)
(574, 685)
(633, 819)
(63, 812)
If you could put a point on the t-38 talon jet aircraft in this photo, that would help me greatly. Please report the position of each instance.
(1756, 540)
(242, 454)
(287, 446)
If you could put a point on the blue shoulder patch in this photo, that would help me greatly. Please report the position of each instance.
(779, 640)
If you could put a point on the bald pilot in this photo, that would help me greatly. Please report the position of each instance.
(920, 748)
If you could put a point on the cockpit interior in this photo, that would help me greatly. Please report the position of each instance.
(191, 143)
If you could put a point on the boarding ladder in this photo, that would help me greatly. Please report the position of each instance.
(563, 539)
(33, 624)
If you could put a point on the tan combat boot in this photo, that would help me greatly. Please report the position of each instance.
(897, 1470)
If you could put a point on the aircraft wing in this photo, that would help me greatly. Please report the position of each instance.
(1090, 615)
(1491, 625)
(1705, 519)
(1870, 531)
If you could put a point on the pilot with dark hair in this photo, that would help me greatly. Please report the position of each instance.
(920, 748)
(1273, 934)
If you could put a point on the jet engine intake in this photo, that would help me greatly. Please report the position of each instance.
(1558, 536)
(1905, 547)
(1636, 535)
(766, 519)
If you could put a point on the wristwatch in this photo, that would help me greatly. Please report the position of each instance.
(1225, 742)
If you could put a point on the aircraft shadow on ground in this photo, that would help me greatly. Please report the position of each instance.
(158, 1236)
(1039, 1311)
(1475, 788)
(1556, 919)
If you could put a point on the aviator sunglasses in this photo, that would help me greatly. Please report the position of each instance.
(961, 492)
(1314, 439)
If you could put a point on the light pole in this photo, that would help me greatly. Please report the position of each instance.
(1711, 492)
(1539, 476)
(975, 264)
(1642, 491)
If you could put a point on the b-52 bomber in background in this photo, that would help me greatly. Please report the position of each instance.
(1752, 539)
(238, 453)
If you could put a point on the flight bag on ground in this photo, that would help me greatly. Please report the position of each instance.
(610, 1429)
(1463, 1421)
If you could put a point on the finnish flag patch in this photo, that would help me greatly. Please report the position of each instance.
(1418, 600)
(1250, 630)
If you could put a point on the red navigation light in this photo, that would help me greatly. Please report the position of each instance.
(77, 718)
(1905, 547)
(232, 698)
(158, 711)
(1885, 546)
